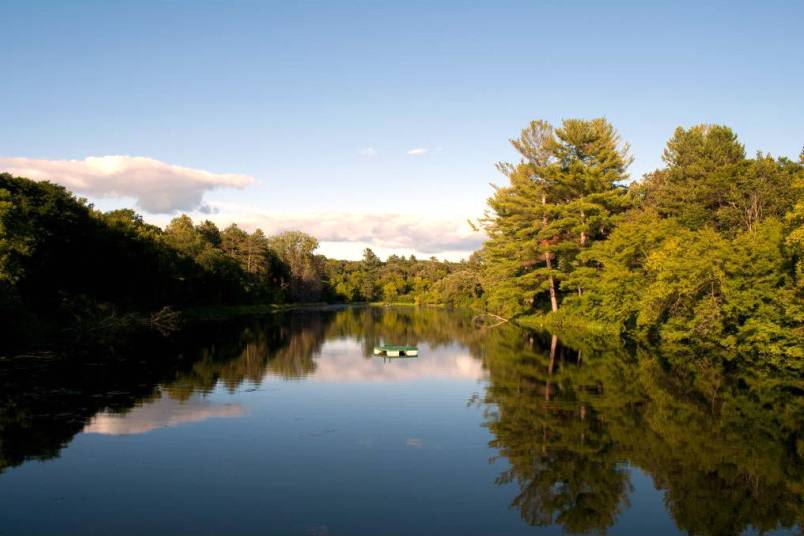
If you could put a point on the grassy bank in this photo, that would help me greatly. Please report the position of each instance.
(556, 321)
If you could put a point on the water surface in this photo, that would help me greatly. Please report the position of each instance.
(289, 425)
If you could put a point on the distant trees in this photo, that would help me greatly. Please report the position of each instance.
(296, 250)
(370, 275)
(399, 279)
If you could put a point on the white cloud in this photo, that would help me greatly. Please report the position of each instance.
(409, 232)
(418, 151)
(156, 186)
(368, 152)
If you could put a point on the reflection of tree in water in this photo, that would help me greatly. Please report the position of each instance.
(295, 358)
(561, 456)
(403, 325)
(287, 345)
(567, 419)
(567, 415)
(284, 345)
(726, 465)
(44, 404)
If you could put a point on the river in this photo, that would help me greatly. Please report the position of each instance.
(288, 424)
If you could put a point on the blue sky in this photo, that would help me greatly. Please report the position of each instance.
(318, 104)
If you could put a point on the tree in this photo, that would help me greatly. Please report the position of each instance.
(708, 181)
(296, 250)
(369, 271)
(563, 195)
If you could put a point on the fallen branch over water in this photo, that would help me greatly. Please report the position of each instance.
(479, 320)
(165, 321)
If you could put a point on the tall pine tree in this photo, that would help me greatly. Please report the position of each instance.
(562, 196)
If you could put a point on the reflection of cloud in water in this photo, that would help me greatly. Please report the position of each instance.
(343, 361)
(160, 413)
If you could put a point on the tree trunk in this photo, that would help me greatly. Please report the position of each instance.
(553, 299)
(583, 244)
(548, 261)
(583, 233)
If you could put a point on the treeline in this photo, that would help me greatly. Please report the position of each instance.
(706, 250)
(66, 267)
(403, 280)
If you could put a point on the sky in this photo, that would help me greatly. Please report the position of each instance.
(369, 124)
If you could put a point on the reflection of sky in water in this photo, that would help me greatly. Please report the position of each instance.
(160, 413)
(342, 361)
(339, 361)
(354, 445)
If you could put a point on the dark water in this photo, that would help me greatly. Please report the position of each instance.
(288, 425)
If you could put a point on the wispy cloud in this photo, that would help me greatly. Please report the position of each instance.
(418, 151)
(368, 152)
(157, 187)
(386, 230)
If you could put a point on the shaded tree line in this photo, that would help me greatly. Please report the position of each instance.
(63, 262)
(69, 269)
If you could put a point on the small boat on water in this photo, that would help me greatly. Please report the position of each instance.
(389, 350)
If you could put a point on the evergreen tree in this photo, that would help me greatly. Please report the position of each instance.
(562, 196)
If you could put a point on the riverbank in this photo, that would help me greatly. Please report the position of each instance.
(556, 322)
(220, 313)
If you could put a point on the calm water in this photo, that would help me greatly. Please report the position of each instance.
(288, 425)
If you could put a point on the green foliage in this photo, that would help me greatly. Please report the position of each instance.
(569, 416)
(65, 266)
(563, 196)
(701, 164)
(708, 181)
(296, 250)
(706, 251)
(614, 294)
(403, 280)
(461, 288)
(566, 414)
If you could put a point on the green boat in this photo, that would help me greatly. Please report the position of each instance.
(389, 350)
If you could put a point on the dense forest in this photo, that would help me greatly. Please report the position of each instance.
(69, 269)
(706, 250)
